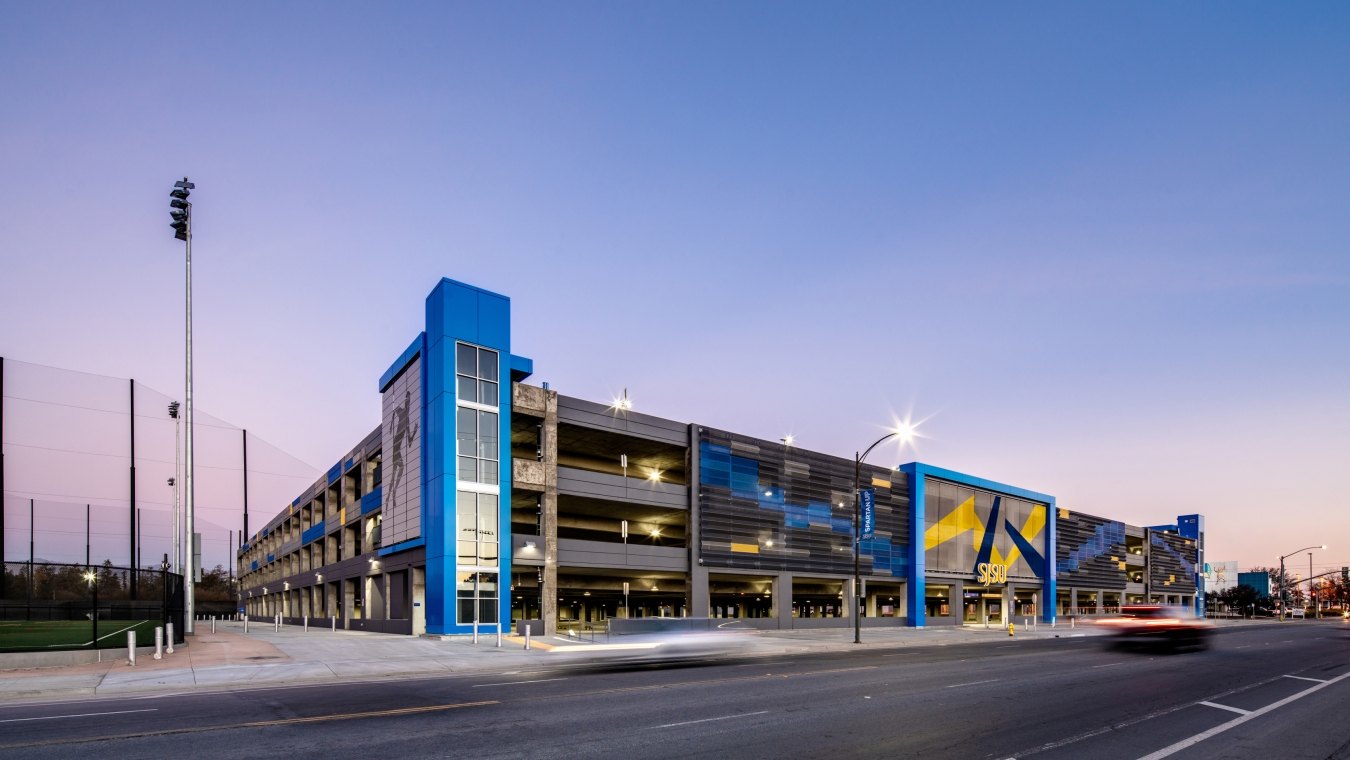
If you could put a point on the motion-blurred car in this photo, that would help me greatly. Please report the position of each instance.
(1157, 625)
(652, 641)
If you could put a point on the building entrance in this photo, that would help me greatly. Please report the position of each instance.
(983, 607)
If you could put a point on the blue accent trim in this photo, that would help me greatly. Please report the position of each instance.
(403, 360)
(521, 368)
(315, 531)
(988, 485)
(372, 501)
(402, 546)
(255, 565)
(334, 473)
(1033, 555)
(271, 557)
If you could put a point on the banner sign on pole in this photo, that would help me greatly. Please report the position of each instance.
(868, 498)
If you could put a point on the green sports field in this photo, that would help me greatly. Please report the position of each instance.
(37, 635)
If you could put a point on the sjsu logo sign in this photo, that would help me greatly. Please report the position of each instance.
(989, 574)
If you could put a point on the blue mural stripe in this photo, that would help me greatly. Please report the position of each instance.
(987, 546)
(1034, 557)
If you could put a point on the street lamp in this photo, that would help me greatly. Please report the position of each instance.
(181, 212)
(905, 431)
(1282, 559)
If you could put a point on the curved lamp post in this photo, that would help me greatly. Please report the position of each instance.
(905, 431)
(1282, 559)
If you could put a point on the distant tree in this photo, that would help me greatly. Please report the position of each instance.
(215, 586)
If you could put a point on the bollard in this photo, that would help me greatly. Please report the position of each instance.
(306, 621)
(1073, 622)
(213, 624)
(527, 635)
(168, 629)
(159, 642)
(335, 624)
(276, 625)
(499, 634)
(131, 648)
(246, 624)
(475, 631)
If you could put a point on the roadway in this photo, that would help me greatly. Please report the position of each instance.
(1259, 692)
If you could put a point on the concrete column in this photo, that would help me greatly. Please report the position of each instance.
(548, 596)
(700, 601)
(700, 605)
(782, 600)
(956, 600)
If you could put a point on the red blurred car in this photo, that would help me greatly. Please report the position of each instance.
(1157, 625)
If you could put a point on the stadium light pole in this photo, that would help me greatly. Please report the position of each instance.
(1283, 606)
(181, 212)
(906, 432)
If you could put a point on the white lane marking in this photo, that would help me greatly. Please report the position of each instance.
(1305, 678)
(969, 683)
(1109, 664)
(81, 715)
(707, 720)
(1184, 743)
(517, 683)
(899, 654)
(1244, 646)
(1237, 710)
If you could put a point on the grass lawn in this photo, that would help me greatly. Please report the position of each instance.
(29, 635)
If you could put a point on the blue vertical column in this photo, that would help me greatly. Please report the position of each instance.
(459, 312)
(1049, 582)
(916, 590)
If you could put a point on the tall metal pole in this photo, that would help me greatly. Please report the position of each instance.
(1280, 601)
(2, 477)
(190, 577)
(135, 531)
(1310, 585)
(857, 532)
(245, 533)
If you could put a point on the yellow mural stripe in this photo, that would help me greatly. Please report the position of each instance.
(745, 548)
(880, 483)
(958, 521)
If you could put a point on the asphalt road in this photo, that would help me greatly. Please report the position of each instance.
(1273, 691)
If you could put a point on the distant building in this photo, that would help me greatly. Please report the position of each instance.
(481, 499)
(1258, 581)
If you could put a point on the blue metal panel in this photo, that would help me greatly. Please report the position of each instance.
(372, 501)
(402, 546)
(521, 368)
(255, 565)
(402, 361)
(334, 473)
(271, 557)
(314, 532)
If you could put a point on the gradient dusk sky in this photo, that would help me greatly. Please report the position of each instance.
(1099, 249)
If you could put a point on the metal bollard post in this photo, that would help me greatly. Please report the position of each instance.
(246, 624)
(306, 623)
(168, 628)
(159, 642)
(1073, 622)
(213, 624)
(527, 634)
(334, 623)
(277, 624)
(499, 634)
(131, 648)
(475, 631)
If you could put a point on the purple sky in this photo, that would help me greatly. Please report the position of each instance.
(1101, 252)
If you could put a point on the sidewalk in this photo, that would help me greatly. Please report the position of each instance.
(230, 659)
